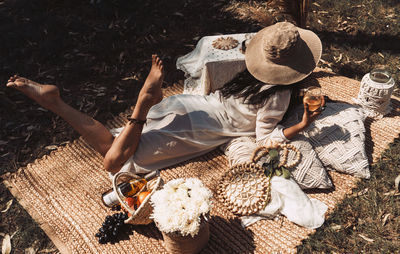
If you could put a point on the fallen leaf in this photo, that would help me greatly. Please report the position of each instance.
(325, 62)
(392, 193)
(42, 109)
(14, 234)
(28, 137)
(6, 246)
(134, 77)
(30, 250)
(51, 147)
(178, 14)
(360, 193)
(347, 59)
(13, 137)
(381, 55)
(366, 238)
(361, 61)
(389, 193)
(363, 192)
(336, 227)
(337, 59)
(30, 127)
(121, 56)
(9, 203)
(396, 183)
(385, 218)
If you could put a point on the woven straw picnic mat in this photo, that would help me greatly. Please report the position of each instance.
(62, 192)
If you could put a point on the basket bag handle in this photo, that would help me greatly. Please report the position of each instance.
(262, 151)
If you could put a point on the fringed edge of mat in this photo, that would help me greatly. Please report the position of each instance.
(61, 246)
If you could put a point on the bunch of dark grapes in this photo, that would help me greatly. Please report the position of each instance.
(111, 227)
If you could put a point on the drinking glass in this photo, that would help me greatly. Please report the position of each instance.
(313, 97)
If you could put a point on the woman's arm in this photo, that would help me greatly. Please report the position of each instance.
(268, 118)
(308, 118)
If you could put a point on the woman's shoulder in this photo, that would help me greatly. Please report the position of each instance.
(280, 99)
(280, 92)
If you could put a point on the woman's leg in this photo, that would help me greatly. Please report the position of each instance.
(115, 151)
(124, 146)
(48, 96)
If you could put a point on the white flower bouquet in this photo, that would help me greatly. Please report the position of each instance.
(180, 206)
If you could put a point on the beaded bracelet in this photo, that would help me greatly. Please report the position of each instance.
(133, 120)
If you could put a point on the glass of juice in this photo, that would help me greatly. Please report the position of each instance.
(313, 97)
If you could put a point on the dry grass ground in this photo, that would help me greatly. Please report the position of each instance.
(357, 36)
(98, 56)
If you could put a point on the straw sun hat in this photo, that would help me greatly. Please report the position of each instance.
(283, 54)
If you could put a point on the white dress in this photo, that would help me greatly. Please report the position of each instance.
(185, 126)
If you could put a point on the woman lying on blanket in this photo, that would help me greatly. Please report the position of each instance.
(184, 126)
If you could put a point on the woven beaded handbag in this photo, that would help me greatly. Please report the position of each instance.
(245, 188)
(140, 216)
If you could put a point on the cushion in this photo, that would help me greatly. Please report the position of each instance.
(309, 173)
(338, 137)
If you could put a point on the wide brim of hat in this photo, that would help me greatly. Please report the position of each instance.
(301, 62)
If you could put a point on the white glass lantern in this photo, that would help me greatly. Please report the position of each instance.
(375, 92)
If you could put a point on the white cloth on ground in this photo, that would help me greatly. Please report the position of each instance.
(287, 197)
(207, 68)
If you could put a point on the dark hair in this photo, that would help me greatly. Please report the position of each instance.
(245, 86)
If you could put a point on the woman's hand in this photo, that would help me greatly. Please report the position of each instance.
(310, 116)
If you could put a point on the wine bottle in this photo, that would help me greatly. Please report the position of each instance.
(127, 189)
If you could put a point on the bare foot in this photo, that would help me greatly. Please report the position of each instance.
(151, 92)
(46, 95)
